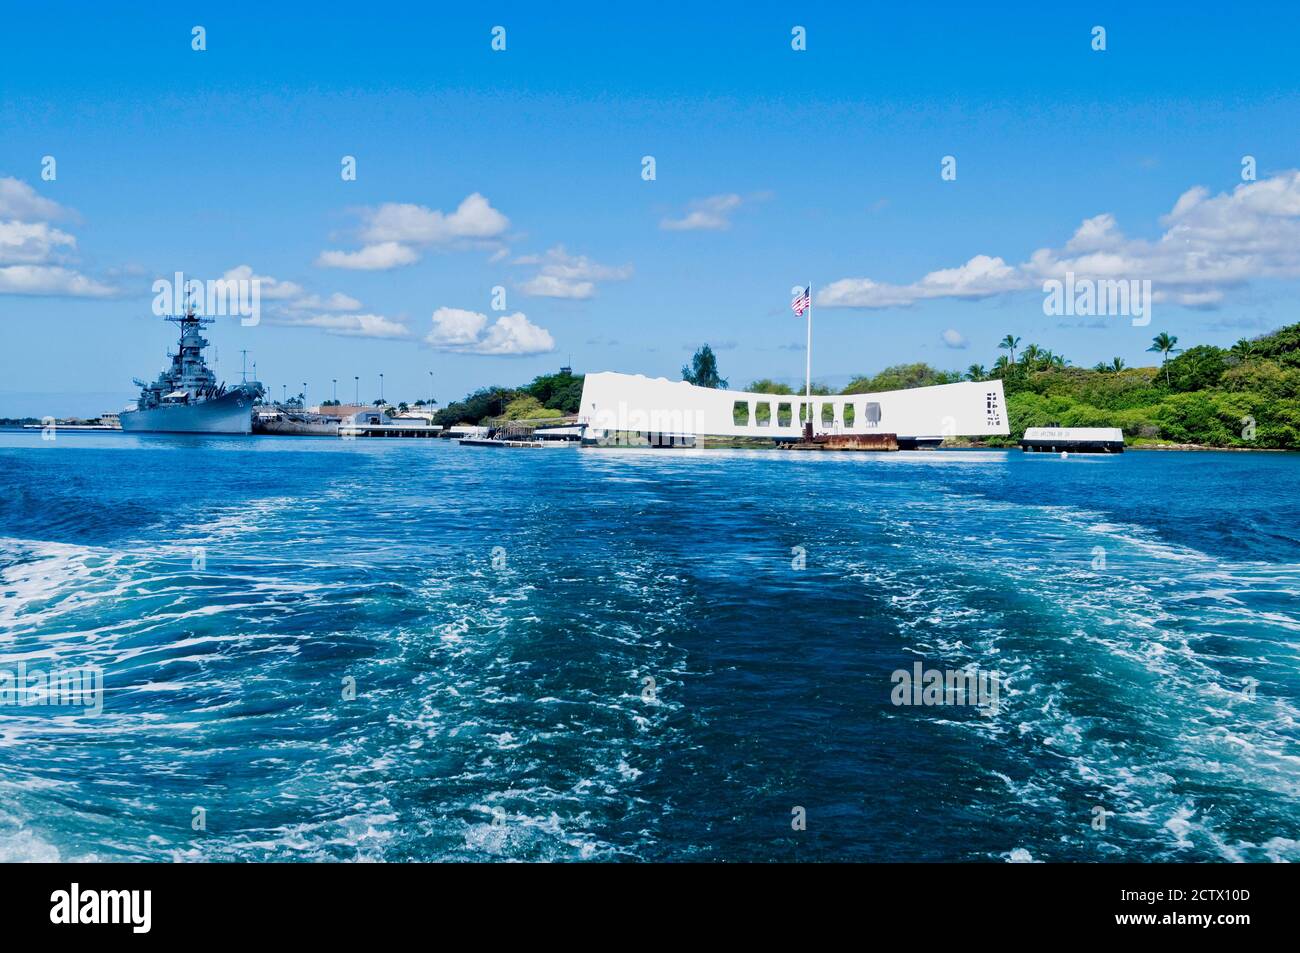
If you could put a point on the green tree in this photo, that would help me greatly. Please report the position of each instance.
(1164, 344)
(1245, 349)
(1009, 344)
(703, 370)
(1197, 368)
(768, 386)
(473, 408)
(901, 377)
(976, 372)
(528, 407)
(562, 391)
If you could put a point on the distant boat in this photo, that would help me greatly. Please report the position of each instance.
(524, 436)
(186, 397)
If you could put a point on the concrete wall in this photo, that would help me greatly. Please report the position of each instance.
(630, 402)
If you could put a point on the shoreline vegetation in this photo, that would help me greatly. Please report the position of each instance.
(1245, 397)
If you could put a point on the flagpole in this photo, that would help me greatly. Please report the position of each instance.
(808, 366)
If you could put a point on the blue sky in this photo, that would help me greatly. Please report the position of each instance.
(821, 166)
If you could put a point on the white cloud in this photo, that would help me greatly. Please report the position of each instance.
(393, 233)
(269, 288)
(32, 242)
(514, 334)
(19, 200)
(351, 325)
(1211, 245)
(335, 302)
(548, 286)
(980, 277)
(49, 280)
(468, 332)
(568, 276)
(710, 214)
(34, 256)
(370, 258)
(953, 338)
(296, 299)
(455, 327)
(403, 222)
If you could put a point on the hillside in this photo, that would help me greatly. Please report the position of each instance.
(1244, 396)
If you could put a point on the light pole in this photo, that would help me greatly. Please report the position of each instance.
(381, 387)
(431, 400)
(336, 390)
(284, 393)
(356, 398)
(304, 395)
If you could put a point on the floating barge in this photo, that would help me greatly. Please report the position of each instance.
(1073, 440)
(875, 442)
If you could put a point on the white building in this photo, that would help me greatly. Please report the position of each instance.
(631, 403)
(379, 423)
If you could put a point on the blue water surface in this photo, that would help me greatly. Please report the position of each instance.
(317, 649)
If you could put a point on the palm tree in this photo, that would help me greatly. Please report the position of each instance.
(1010, 343)
(1001, 366)
(1164, 344)
(1101, 367)
(1048, 359)
(976, 372)
(1030, 355)
(1244, 349)
(1117, 364)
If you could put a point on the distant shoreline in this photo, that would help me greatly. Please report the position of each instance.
(1165, 447)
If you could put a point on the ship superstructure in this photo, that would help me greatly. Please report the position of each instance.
(186, 397)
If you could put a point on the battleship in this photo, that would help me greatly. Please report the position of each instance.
(186, 397)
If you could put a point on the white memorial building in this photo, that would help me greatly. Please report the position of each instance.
(676, 412)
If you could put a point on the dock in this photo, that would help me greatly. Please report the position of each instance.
(379, 423)
(1073, 440)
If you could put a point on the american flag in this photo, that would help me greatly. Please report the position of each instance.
(803, 302)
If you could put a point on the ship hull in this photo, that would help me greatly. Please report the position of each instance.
(229, 413)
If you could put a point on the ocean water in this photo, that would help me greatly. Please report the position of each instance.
(653, 655)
